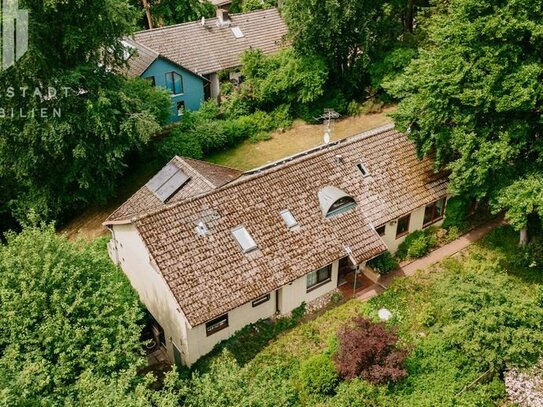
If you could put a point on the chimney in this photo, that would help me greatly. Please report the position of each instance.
(339, 159)
(222, 16)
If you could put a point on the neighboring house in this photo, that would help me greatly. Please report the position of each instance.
(207, 261)
(198, 51)
(186, 87)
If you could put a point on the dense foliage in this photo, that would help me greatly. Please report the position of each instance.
(369, 350)
(56, 162)
(319, 374)
(348, 35)
(215, 127)
(472, 100)
(169, 12)
(68, 320)
(384, 263)
(417, 244)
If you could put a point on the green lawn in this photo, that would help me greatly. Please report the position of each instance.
(456, 321)
(300, 137)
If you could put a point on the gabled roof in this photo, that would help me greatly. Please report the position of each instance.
(141, 59)
(212, 48)
(203, 177)
(210, 275)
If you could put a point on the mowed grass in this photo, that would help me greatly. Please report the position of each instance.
(299, 138)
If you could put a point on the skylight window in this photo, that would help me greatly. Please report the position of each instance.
(289, 219)
(244, 239)
(237, 32)
(363, 170)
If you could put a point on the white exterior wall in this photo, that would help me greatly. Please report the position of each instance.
(415, 223)
(293, 294)
(151, 287)
(200, 343)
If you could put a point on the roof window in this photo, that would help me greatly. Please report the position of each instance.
(363, 170)
(244, 239)
(289, 218)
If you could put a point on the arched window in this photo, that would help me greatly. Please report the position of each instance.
(334, 201)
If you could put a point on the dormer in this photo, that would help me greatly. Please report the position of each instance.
(334, 201)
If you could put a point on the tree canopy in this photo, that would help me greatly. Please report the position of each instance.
(94, 117)
(68, 317)
(472, 99)
(347, 35)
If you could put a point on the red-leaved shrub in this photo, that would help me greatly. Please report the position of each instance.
(368, 350)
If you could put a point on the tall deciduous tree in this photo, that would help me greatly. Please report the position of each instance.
(473, 99)
(346, 34)
(69, 119)
(68, 319)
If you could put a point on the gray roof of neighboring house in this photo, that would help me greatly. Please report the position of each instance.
(212, 48)
(210, 275)
(141, 59)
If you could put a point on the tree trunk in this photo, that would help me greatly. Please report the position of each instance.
(147, 8)
(523, 237)
(409, 15)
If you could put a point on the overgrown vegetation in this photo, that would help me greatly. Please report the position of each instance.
(482, 119)
(462, 328)
(417, 244)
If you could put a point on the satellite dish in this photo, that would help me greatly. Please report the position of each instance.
(326, 137)
(384, 314)
(203, 21)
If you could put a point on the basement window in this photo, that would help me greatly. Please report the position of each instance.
(216, 324)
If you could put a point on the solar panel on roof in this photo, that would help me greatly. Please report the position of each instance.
(167, 182)
(244, 239)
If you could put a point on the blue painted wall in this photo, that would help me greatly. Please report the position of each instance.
(193, 85)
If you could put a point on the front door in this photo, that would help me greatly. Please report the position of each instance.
(346, 267)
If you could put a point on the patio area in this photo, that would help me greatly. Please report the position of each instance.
(354, 284)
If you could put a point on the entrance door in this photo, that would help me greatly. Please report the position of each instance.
(346, 267)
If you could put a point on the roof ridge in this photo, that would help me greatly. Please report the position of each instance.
(149, 30)
(296, 159)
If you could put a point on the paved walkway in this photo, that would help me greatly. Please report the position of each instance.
(434, 257)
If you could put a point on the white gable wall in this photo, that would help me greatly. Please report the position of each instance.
(151, 287)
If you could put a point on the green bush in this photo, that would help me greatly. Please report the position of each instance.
(178, 143)
(457, 211)
(319, 375)
(384, 263)
(417, 244)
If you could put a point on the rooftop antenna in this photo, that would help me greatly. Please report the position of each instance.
(328, 119)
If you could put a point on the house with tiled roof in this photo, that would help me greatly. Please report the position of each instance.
(187, 58)
(209, 259)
